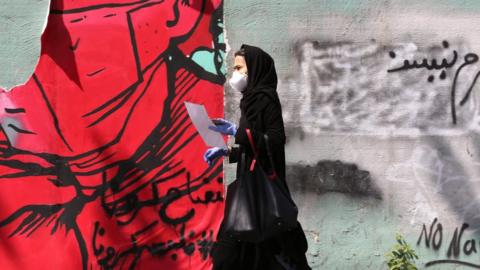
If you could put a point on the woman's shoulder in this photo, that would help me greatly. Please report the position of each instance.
(268, 102)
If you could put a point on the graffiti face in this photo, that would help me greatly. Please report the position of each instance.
(102, 142)
(89, 81)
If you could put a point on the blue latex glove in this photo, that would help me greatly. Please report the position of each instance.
(223, 126)
(212, 153)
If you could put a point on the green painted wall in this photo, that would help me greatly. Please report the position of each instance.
(401, 161)
(22, 22)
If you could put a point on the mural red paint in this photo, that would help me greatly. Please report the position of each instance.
(100, 166)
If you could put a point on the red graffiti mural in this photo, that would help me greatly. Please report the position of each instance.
(100, 165)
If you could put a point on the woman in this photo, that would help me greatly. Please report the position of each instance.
(255, 77)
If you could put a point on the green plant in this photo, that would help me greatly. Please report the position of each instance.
(402, 256)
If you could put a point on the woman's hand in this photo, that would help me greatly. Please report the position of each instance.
(223, 126)
(212, 153)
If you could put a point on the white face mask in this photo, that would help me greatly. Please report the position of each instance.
(238, 81)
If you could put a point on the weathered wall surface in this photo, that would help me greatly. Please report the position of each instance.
(376, 144)
(22, 23)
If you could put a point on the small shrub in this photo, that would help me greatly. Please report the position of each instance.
(402, 256)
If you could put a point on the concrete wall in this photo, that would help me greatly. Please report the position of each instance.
(370, 152)
(373, 152)
(22, 23)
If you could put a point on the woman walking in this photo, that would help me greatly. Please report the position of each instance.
(261, 112)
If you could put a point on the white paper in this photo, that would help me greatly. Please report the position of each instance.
(201, 121)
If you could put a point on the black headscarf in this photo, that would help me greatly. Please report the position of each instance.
(261, 82)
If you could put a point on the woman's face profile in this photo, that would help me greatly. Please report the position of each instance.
(240, 65)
